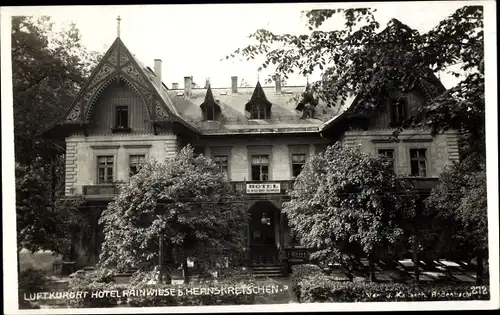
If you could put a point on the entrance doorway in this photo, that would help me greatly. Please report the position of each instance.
(264, 233)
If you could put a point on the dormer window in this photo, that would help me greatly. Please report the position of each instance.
(121, 119)
(258, 106)
(307, 103)
(260, 111)
(211, 112)
(210, 107)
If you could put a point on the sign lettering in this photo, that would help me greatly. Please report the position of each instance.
(267, 188)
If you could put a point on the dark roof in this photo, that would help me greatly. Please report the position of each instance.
(210, 102)
(258, 95)
(209, 96)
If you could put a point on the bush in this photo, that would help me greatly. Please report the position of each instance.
(322, 288)
(299, 272)
(95, 281)
(236, 276)
(32, 280)
(98, 280)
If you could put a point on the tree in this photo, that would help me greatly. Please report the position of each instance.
(48, 68)
(185, 199)
(32, 210)
(42, 223)
(346, 204)
(460, 199)
(362, 59)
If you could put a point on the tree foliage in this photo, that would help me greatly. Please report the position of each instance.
(459, 207)
(460, 198)
(186, 199)
(33, 209)
(48, 68)
(42, 222)
(367, 61)
(346, 204)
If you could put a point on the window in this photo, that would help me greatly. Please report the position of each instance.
(209, 113)
(398, 112)
(260, 167)
(134, 162)
(105, 169)
(121, 117)
(259, 111)
(298, 161)
(418, 162)
(388, 154)
(222, 162)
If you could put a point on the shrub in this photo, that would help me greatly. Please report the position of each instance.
(97, 280)
(149, 300)
(236, 276)
(321, 288)
(32, 280)
(299, 272)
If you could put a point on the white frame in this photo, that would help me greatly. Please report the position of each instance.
(104, 150)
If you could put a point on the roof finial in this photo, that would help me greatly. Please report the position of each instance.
(258, 75)
(118, 26)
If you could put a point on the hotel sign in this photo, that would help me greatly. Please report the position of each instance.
(267, 188)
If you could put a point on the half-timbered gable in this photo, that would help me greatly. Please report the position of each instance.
(119, 78)
(120, 109)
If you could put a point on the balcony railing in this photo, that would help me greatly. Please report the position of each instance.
(423, 183)
(276, 187)
(297, 254)
(105, 191)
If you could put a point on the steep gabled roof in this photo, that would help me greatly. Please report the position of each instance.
(428, 83)
(258, 95)
(118, 64)
(210, 103)
(209, 98)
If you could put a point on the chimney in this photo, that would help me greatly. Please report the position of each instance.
(234, 84)
(158, 71)
(277, 80)
(175, 86)
(188, 82)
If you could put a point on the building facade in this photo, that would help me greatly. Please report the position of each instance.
(259, 136)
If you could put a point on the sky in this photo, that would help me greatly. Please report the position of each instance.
(191, 40)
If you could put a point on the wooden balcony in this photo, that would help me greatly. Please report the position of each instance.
(100, 192)
(273, 187)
